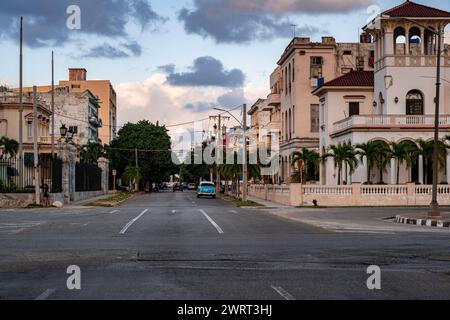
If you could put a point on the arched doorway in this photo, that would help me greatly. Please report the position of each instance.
(414, 103)
(410, 169)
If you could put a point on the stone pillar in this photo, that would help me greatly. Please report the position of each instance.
(68, 157)
(421, 169)
(422, 41)
(393, 171)
(365, 168)
(103, 164)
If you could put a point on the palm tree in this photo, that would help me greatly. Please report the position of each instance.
(10, 146)
(132, 175)
(303, 158)
(342, 153)
(382, 158)
(233, 172)
(369, 151)
(402, 152)
(426, 150)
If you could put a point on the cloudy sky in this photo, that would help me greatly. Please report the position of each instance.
(173, 60)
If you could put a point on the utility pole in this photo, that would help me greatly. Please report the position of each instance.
(136, 187)
(244, 165)
(219, 140)
(21, 106)
(53, 106)
(37, 179)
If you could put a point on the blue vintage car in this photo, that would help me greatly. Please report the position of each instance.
(206, 189)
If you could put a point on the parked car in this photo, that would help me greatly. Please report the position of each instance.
(206, 189)
(177, 187)
(192, 186)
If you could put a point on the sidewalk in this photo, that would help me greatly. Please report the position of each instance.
(268, 204)
(82, 203)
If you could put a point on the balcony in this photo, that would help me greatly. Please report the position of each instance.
(388, 122)
(273, 99)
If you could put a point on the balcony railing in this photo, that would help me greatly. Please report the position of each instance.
(389, 121)
(274, 99)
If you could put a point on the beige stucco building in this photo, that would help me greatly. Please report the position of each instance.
(9, 121)
(102, 89)
(292, 107)
(396, 102)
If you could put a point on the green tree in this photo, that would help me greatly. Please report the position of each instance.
(369, 151)
(303, 159)
(426, 150)
(342, 154)
(402, 152)
(132, 176)
(91, 152)
(194, 169)
(10, 146)
(382, 158)
(153, 147)
(233, 172)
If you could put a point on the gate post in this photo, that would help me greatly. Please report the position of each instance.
(103, 164)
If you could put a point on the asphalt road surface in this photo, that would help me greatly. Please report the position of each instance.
(175, 246)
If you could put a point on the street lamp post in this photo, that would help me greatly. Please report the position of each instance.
(435, 212)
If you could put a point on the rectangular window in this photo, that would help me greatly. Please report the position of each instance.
(74, 129)
(353, 109)
(293, 70)
(316, 67)
(347, 52)
(29, 129)
(76, 86)
(315, 118)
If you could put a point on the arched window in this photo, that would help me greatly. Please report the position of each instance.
(414, 103)
(415, 41)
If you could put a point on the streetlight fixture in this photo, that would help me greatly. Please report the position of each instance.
(243, 125)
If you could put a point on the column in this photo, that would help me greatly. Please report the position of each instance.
(393, 171)
(448, 168)
(421, 169)
(365, 168)
(422, 41)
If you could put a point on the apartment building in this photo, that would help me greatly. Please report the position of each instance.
(78, 111)
(293, 108)
(102, 89)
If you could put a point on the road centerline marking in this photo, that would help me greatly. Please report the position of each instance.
(286, 295)
(129, 224)
(47, 293)
(233, 211)
(114, 211)
(219, 229)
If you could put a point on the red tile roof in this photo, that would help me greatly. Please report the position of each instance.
(414, 10)
(353, 79)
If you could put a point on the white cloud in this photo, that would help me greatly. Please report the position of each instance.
(155, 99)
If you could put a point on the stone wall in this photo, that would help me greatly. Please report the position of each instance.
(351, 195)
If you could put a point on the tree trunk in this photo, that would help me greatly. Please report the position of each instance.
(339, 175)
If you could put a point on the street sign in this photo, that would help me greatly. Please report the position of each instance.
(114, 172)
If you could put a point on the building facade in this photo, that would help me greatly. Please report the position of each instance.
(78, 111)
(102, 89)
(396, 103)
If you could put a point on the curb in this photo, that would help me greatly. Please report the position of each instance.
(423, 222)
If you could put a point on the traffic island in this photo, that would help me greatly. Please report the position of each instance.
(113, 201)
(424, 220)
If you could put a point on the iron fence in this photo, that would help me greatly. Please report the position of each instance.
(88, 177)
(17, 176)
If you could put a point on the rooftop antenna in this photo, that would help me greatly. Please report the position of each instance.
(294, 26)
